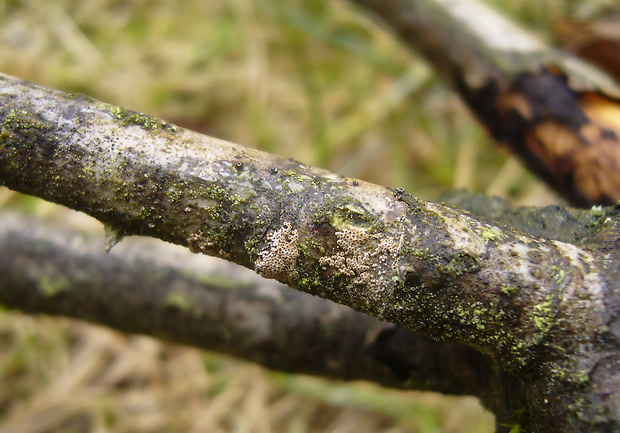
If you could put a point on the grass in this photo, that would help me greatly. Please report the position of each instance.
(320, 81)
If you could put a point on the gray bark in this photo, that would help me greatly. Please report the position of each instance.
(543, 310)
(157, 289)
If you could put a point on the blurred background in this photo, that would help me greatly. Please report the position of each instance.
(320, 81)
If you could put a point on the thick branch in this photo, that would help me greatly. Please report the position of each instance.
(153, 288)
(538, 308)
(558, 114)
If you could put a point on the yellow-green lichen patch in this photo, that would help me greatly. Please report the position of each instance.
(459, 263)
(129, 117)
(295, 175)
(508, 289)
(490, 234)
(179, 301)
(542, 315)
(345, 212)
(53, 286)
(22, 120)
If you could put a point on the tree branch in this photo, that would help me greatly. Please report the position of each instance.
(557, 113)
(156, 289)
(538, 308)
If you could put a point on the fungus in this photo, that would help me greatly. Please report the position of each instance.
(282, 253)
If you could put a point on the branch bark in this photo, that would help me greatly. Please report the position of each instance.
(153, 288)
(557, 113)
(542, 310)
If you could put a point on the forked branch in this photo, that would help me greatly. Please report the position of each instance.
(538, 308)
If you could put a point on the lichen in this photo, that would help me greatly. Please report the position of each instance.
(345, 212)
(459, 263)
(180, 301)
(542, 315)
(490, 234)
(129, 117)
(508, 289)
(53, 286)
(22, 121)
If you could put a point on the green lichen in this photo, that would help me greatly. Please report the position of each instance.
(22, 121)
(178, 301)
(508, 290)
(129, 117)
(294, 175)
(53, 286)
(345, 212)
(542, 315)
(489, 234)
(460, 263)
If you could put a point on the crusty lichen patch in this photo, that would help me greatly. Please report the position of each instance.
(281, 254)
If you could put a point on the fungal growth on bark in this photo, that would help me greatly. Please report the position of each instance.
(519, 307)
(281, 255)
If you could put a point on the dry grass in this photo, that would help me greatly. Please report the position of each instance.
(65, 376)
(316, 80)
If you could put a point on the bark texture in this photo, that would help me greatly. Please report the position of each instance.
(152, 288)
(560, 115)
(543, 310)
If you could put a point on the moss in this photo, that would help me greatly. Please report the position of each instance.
(308, 283)
(309, 246)
(250, 245)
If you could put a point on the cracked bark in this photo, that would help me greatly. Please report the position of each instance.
(543, 310)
